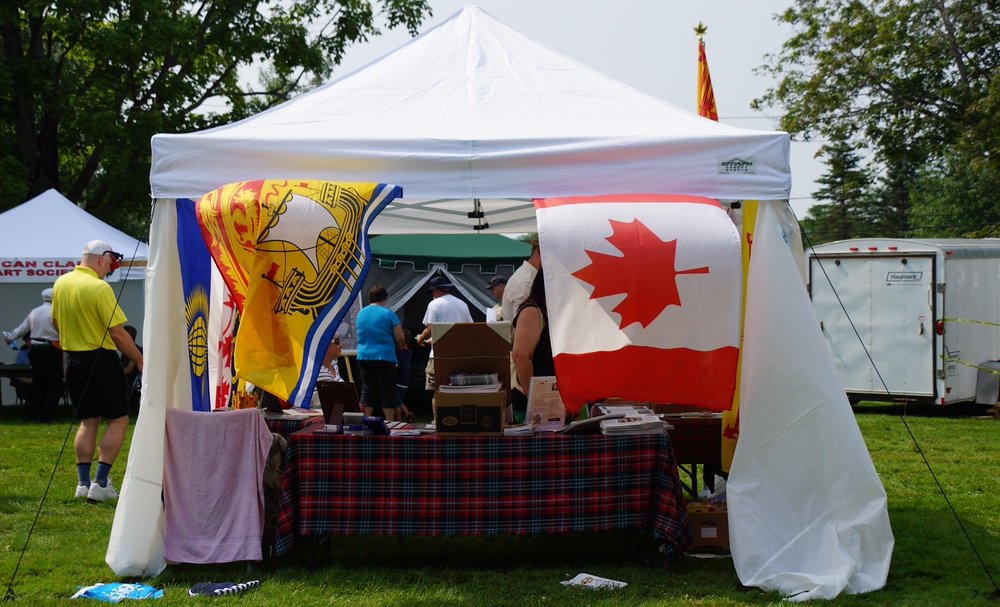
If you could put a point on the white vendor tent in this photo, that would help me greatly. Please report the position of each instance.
(474, 118)
(43, 238)
(473, 110)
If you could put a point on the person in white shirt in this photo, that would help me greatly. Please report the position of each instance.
(519, 284)
(46, 359)
(496, 288)
(444, 307)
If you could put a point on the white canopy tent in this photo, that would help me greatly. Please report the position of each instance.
(43, 238)
(474, 110)
(473, 120)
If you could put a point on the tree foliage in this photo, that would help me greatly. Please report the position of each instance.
(914, 83)
(837, 220)
(86, 83)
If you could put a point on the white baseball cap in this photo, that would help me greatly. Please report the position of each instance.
(97, 247)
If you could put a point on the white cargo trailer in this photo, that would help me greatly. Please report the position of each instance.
(927, 312)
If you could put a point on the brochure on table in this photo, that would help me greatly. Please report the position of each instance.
(546, 411)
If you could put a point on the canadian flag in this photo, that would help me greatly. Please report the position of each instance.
(643, 298)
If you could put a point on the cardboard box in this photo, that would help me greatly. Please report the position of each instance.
(709, 527)
(472, 347)
(469, 413)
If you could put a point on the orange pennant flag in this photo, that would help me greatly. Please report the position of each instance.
(706, 96)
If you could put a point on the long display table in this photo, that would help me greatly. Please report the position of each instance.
(435, 486)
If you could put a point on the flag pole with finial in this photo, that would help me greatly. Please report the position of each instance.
(706, 96)
(707, 109)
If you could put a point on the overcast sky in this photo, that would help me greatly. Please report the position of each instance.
(650, 45)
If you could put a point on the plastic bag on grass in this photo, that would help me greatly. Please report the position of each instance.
(116, 592)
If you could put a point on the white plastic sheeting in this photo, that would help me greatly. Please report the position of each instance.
(807, 512)
(136, 544)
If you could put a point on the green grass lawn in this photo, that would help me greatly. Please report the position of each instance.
(932, 565)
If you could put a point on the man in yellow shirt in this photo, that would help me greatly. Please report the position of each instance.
(91, 325)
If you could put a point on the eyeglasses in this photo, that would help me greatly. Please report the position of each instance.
(117, 256)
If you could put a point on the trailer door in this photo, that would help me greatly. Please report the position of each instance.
(890, 301)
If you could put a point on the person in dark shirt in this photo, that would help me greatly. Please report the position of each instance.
(531, 350)
(133, 378)
(404, 356)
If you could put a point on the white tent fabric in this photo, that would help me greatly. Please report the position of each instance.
(45, 236)
(404, 285)
(474, 111)
(807, 512)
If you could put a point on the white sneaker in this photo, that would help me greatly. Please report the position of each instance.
(98, 493)
(81, 491)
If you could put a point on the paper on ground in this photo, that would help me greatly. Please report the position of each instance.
(592, 581)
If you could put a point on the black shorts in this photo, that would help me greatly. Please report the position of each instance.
(378, 384)
(96, 384)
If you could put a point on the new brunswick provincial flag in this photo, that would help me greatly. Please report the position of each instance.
(291, 253)
(643, 298)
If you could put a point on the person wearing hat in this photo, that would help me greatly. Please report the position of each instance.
(45, 358)
(519, 285)
(91, 328)
(496, 288)
(444, 307)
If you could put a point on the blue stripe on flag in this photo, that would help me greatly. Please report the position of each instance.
(323, 329)
(196, 278)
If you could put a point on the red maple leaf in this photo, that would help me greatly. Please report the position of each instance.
(644, 272)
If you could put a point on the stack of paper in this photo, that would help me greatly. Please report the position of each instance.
(474, 379)
(636, 409)
(297, 413)
(633, 424)
(400, 428)
(495, 387)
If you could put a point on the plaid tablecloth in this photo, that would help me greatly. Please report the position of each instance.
(697, 440)
(431, 485)
(286, 425)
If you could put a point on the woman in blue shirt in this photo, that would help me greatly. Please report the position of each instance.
(379, 334)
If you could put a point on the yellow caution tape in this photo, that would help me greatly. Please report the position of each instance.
(969, 321)
(969, 364)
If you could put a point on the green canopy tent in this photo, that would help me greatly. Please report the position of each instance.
(456, 250)
(403, 263)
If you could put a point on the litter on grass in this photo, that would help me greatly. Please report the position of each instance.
(594, 582)
(116, 592)
(221, 588)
